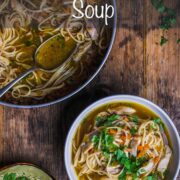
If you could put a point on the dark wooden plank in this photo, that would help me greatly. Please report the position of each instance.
(123, 72)
(36, 136)
(163, 64)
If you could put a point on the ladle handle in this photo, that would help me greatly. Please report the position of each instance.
(11, 84)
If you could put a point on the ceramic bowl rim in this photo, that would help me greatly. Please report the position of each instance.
(129, 98)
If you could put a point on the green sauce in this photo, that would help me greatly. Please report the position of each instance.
(23, 172)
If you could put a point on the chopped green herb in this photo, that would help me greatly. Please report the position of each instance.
(106, 141)
(113, 117)
(163, 40)
(159, 5)
(106, 154)
(157, 120)
(168, 22)
(133, 131)
(178, 41)
(131, 165)
(135, 119)
(149, 178)
(140, 161)
(152, 177)
(106, 121)
(28, 42)
(168, 18)
(119, 154)
(100, 121)
(95, 140)
(122, 175)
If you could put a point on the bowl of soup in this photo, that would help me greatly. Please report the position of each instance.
(122, 137)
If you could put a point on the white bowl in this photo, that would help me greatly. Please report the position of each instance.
(174, 136)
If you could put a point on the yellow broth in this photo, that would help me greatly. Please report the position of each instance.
(53, 53)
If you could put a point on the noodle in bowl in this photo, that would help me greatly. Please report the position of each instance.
(25, 25)
(122, 137)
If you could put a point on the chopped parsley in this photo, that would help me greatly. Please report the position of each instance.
(106, 144)
(28, 42)
(153, 176)
(113, 117)
(95, 140)
(122, 176)
(157, 120)
(131, 165)
(119, 154)
(159, 5)
(168, 18)
(135, 119)
(133, 131)
(169, 15)
(106, 121)
(163, 40)
(178, 41)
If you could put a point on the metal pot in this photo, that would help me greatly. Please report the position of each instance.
(113, 26)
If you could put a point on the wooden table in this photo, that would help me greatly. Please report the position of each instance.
(137, 65)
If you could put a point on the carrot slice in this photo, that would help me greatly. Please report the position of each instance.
(126, 119)
(123, 137)
(112, 131)
(146, 147)
(141, 154)
(156, 159)
(140, 148)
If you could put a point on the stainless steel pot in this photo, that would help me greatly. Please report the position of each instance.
(113, 26)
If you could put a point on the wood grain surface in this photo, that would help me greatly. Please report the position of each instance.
(137, 65)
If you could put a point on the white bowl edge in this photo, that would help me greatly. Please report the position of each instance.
(115, 98)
